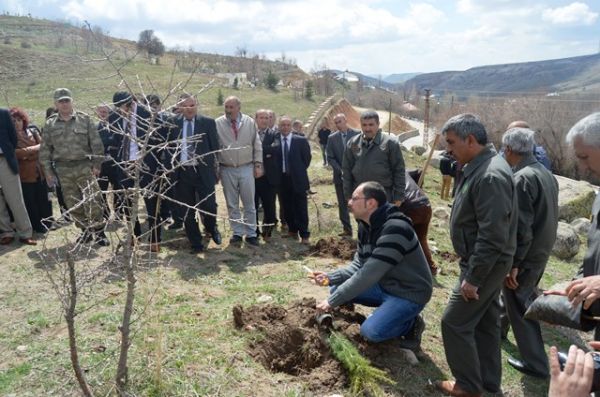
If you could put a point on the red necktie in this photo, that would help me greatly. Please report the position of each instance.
(234, 128)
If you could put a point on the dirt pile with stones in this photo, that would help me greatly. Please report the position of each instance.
(332, 247)
(290, 340)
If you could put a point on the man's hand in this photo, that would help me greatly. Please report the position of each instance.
(96, 171)
(50, 180)
(585, 290)
(324, 306)
(469, 291)
(319, 278)
(258, 170)
(398, 203)
(576, 378)
(510, 281)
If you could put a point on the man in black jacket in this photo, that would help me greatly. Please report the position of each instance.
(194, 142)
(389, 271)
(295, 159)
(11, 193)
(267, 184)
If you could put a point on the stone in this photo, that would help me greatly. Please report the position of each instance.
(575, 198)
(441, 213)
(581, 225)
(567, 242)
(264, 299)
(419, 150)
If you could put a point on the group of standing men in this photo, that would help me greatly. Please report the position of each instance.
(177, 159)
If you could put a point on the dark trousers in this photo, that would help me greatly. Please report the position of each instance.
(265, 193)
(295, 208)
(420, 217)
(110, 175)
(151, 202)
(169, 209)
(343, 207)
(191, 191)
(35, 196)
(528, 333)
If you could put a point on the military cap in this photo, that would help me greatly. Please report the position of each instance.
(62, 93)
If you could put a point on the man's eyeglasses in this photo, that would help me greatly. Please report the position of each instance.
(353, 198)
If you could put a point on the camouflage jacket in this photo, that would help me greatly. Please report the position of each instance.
(75, 140)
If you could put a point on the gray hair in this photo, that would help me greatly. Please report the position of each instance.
(464, 125)
(520, 140)
(234, 99)
(588, 129)
(262, 111)
(369, 114)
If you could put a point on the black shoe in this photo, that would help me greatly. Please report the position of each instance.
(522, 367)
(101, 239)
(216, 237)
(197, 250)
(235, 239)
(252, 241)
(175, 226)
(412, 340)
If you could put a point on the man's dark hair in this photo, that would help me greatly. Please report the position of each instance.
(374, 190)
(153, 99)
(464, 125)
(369, 114)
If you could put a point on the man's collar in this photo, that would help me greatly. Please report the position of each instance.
(526, 160)
(486, 153)
(376, 139)
(71, 117)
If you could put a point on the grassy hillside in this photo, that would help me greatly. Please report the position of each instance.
(38, 56)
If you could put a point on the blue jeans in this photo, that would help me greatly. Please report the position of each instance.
(394, 316)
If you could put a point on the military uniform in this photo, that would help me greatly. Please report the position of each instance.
(378, 160)
(69, 150)
(483, 229)
(537, 194)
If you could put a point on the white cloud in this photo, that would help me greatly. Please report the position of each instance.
(574, 13)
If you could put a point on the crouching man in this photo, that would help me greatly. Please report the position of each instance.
(389, 271)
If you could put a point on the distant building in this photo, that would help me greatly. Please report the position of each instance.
(347, 77)
(242, 79)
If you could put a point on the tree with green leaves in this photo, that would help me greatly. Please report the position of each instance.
(220, 98)
(148, 42)
(309, 90)
(271, 80)
(235, 83)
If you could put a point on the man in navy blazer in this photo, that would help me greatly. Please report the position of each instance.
(336, 145)
(295, 159)
(194, 143)
(267, 185)
(10, 183)
(133, 119)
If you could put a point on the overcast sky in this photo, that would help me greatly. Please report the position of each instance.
(369, 36)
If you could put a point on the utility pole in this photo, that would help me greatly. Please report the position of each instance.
(426, 118)
(390, 119)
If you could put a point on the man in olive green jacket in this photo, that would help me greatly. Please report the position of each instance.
(374, 156)
(537, 195)
(483, 229)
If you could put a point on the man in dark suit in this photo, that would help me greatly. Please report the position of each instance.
(129, 125)
(336, 145)
(295, 159)
(10, 183)
(267, 185)
(194, 142)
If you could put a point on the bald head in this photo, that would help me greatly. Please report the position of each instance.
(518, 124)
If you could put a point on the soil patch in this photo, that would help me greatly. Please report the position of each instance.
(449, 256)
(341, 248)
(399, 125)
(291, 341)
(342, 106)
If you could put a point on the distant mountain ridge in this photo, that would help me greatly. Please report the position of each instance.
(397, 78)
(566, 74)
(369, 80)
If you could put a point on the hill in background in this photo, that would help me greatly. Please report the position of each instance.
(398, 78)
(573, 75)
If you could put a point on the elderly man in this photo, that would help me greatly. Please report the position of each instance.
(374, 156)
(240, 161)
(389, 271)
(72, 153)
(483, 228)
(336, 145)
(11, 193)
(584, 137)
(537, 195)
(267, 184)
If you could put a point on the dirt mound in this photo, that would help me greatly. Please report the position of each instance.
(399, 125)
(342, 106)
(341, 248)
(292, 341)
